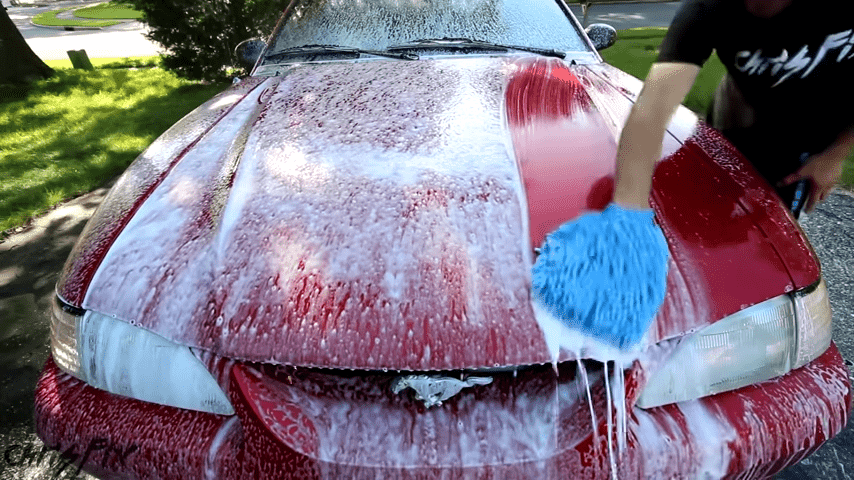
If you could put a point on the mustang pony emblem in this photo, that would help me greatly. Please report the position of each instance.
(435, 390)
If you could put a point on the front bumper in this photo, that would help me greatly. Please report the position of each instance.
(536, 427)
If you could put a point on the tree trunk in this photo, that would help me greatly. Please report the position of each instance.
(18, 62)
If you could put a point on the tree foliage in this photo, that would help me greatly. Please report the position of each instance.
(200, 36)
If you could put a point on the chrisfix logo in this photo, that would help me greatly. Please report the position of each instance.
(63, 459)
(836, 47)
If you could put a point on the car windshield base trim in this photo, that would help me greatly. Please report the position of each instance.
(308, 49)
(467, 43)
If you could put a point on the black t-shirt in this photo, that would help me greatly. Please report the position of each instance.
(796, 68)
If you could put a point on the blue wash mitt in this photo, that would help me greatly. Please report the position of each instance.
(604, 274)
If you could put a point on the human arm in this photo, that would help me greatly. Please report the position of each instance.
(639, 148)
(824, 169)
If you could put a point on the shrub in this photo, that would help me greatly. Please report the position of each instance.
(200, 36)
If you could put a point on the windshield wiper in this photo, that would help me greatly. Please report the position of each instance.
(463, 43)
(309, 49)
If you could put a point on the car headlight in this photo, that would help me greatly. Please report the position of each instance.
(120, 358)
(759, 343)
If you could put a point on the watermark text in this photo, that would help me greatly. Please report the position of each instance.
(63, 460)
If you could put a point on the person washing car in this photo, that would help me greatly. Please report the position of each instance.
(786, 101)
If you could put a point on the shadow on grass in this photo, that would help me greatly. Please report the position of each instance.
(77, 152)
(14, 93)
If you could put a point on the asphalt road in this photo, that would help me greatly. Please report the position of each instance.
(31, 259)
(830, 229)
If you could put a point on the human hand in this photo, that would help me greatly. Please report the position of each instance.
(823, 172)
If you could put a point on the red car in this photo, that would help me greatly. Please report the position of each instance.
(324, 272)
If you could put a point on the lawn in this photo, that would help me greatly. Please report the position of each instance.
(50, 19)
(109, 11)
(73, 132)
(118, 62)
(101, 15)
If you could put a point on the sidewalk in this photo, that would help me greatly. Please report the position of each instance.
(113, 42)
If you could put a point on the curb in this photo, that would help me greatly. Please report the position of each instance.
(69, 29)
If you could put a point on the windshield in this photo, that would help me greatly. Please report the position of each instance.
(379, 24)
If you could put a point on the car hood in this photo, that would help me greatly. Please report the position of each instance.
(384, 214)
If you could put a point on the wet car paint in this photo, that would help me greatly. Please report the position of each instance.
(256, 231)
(294, 219)
(134, 187)
(305, 424)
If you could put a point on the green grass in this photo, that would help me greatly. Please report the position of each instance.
(49, 19)
(72, 133)
(101, 15)
(109, 11)
(134, 62)
(637, 49)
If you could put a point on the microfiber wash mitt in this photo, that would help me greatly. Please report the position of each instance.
(604, 274)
